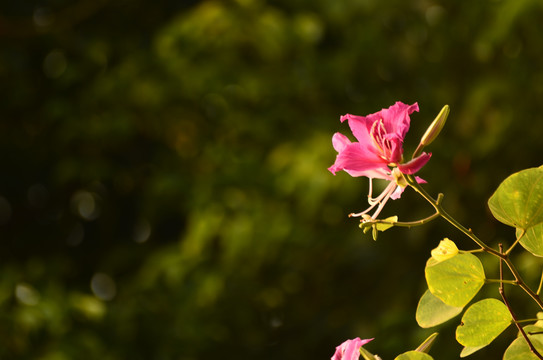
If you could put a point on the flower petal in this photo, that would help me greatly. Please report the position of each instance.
(340, 141)
(350, 349)
(360, 127)
(358, 160)
(415, 165)
(397, 193)
(396, 118)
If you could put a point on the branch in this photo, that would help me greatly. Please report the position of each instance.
(517, 324)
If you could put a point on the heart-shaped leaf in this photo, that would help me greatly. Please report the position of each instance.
(468, 350)
(483, 322)
(414, 355)
(518, 201)
(431, 311)
(456, 280)
(532, 240)
(519, 350)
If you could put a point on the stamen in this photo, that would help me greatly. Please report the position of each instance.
(376, 200)
(381, 200)
(378, 134)
(370, 193)
(391, 188)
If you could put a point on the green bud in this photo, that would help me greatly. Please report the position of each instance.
(367, 355)
(435, 128)
(427, 344)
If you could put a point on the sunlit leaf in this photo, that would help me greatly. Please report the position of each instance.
(519, 350)
(456, 280)
(431, 311)
(427, 344)
(468, 350)
(366, 355)
(414, 355)
(483, 322)
(384, 226)
(532, 240)
(445, 250)
(518, 201)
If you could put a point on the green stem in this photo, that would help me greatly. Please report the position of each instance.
(515, 243)
(407, 224)
(439, 209)
(418, 151)
(517, 323)
(471, 251)
(510, 282)
(521, 282)
(540, 285)
(436, 203)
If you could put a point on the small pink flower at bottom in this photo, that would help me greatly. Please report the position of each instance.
(350, 349)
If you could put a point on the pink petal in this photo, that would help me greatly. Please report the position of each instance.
(350, 349)
(397, 193)
(396, 118)
(414, 165)
(340, 141)
(396, 148)
(360, 127)
(358, 160)
(420, 180)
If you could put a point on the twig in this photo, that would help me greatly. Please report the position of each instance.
(469, 233)
(517, 324)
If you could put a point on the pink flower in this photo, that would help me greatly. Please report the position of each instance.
(350, 349)
(378, 154)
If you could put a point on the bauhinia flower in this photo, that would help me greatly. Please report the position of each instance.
(350, 349)
(378, 153)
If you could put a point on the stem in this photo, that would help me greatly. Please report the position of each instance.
(439, 209)
(521, 282)
(418, 151)
(501, 281)
(471, 251)
(540, 285)
(515, 243)
(517, 324)
(469, 233)
(407, 224)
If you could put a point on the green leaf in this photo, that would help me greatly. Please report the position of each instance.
(457, 280)
(367, 355)
(532, 240)
(519, 350)
(427, 344)
(384, 226)
(468, 350)
(414, 355)
(518, 201)
(431, 311)
(483, 322)
(377, 225)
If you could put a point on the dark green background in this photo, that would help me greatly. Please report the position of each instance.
(173, 154)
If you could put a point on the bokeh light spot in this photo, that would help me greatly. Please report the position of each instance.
(26, 294)
(54, 64)
(43, 17)
(84, 204)
(142, 231)
(103, 286)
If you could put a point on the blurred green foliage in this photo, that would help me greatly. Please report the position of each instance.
(164, 192)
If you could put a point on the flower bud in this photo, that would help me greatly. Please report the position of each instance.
(434, 129)
(446, 250)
